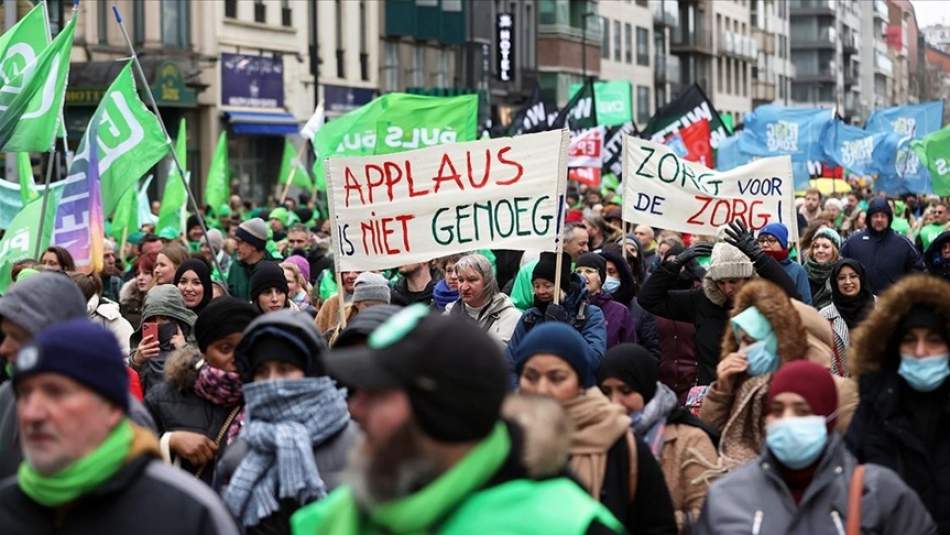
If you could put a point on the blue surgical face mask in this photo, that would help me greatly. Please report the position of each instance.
(760, 358)
(924, 374)
(611, 285)
(797, 441)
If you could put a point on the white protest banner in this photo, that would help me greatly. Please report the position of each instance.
(415, 206)
(665, 191)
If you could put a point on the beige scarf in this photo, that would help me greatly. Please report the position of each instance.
(597, 425)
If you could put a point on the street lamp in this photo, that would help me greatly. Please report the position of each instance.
(584, 42)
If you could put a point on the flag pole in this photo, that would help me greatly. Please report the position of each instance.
(290, 180)
(168, 139)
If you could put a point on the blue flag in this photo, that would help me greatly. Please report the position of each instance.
(856, 149)
(729, 156)
(773, 130)
(901, 169)
(914, 120)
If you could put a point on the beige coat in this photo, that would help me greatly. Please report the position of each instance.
(686, 454)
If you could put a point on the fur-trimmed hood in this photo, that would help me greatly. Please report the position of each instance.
(180, 370)
(874, 341)
(778, 309)
(547, 433)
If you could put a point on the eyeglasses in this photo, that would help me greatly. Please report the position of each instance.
(766, 240)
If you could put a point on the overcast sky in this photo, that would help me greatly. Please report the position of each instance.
(930, 12)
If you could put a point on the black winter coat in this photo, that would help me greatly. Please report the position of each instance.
(145, 497)
(181, 410)
(693, 306)
(651, 511)
(906, 431)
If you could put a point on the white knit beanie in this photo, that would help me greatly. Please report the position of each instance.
(728, 262)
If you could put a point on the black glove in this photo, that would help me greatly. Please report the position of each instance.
(557, 313)
(687, 256)
(741, 238)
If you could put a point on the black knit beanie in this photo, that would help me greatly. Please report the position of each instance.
(267, 275)
(593, 260)
(222, 317)
(923, 316)
(547, 267)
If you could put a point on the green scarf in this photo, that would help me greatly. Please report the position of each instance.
(819, 275)
(81, 476)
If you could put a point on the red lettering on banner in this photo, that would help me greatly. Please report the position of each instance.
(404, 219)
(370, 185)
(471, 178)
(412, 188)
(454, 175)
(393, 175)
(512, 163)
(706, 200)
(350, 183)
(724, 211)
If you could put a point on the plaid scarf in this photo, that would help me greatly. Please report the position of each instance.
(218, 386)
(284, 420)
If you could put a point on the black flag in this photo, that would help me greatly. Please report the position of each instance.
(613, 147)
(689, 107)
(580, 112)
(532, 118)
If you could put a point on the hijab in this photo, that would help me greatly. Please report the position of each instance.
(201, 269)
(855, 308)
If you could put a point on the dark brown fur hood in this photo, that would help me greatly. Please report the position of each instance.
(180, 369)
(778, 309)
(874, 342)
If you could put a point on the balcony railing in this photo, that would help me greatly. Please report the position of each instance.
(826, 37)
(765, 40)
(737, 45)
(763, 90)
(692, 41)
(812, 7)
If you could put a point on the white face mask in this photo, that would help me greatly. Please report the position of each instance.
(611, 285)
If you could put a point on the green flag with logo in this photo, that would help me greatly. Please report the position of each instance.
(292, 169)
(934, 152)
(175, 196)
(130, 139)
(612, 101)
(23, 43)
(27, 184)
(31, 102)
(125, 221)
(396, 122)
(19, 241)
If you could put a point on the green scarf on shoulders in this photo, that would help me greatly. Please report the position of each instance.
(81, 476)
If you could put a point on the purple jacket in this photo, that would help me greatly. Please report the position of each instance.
(620, 326)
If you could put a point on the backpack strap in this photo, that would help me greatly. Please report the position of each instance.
(632, 449)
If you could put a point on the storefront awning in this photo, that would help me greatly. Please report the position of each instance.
(263, 123)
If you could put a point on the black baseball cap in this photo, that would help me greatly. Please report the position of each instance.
(453, 372)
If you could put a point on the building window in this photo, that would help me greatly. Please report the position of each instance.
(417, 70)
(528, 46)
(390, 66)
(643, 104)
(260, 11)
(719, 75)
(230, 9)
(175, 23)
(643, 46)
(442, 74)
(628, 42)
(728, 76)
(617, 37)
(364, 54)
(340, 55)
(138, 23)
(286, 14)
(604, 38)
(742, 71)
(103, 21)
(642, 3)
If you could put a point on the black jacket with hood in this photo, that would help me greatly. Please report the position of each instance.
(705, 307)
(936, 264)
(886, 256)
(894, 425)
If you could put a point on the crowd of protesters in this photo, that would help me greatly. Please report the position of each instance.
(644, 381)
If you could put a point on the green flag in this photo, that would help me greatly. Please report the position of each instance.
(175, 196)
(218, 182)
(126, 218)
(25, 170)
(23, 43)
(934, 152)
(19, 241)
(290, 165)
(130, 139)
(396, 122)
(31, 102)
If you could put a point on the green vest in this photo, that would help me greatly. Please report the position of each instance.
(554, 506)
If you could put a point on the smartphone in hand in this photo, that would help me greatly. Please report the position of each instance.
(150, 329)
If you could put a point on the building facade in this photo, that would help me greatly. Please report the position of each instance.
(877, 76)
(627, 52)
(568, 46)
(773, 71)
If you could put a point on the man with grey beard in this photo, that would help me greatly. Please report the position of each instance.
(437, 456)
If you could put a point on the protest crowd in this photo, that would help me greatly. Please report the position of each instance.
(476, 337)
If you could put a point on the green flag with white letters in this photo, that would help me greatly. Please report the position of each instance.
(933, 150)
(130, 139)
(31, 101)
(19, 241)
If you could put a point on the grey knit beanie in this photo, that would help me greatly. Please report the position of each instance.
(728, 262)
(371, 286)
(253, 231)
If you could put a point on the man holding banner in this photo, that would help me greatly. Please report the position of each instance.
(665, 191)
